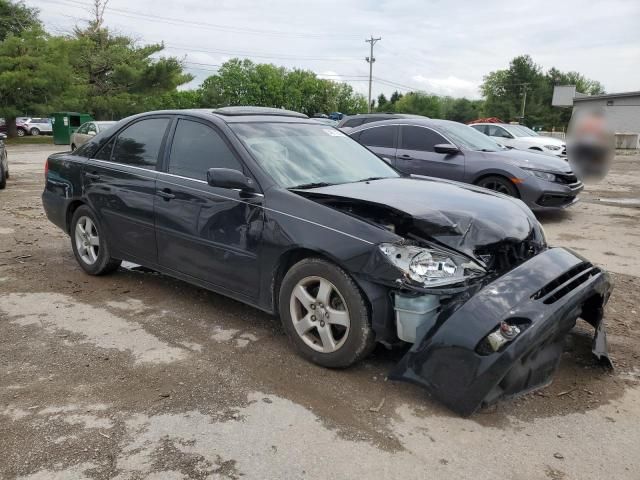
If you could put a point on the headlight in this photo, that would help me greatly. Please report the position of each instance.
(553, 147)
(430, 267)
(550, 177)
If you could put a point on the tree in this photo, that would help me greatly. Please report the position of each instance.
(242, 82)
(35, 75)
(419, 103)
(383, 103)
(120, 77)
(16, 17)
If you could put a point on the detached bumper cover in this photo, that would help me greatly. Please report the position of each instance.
(545, 296)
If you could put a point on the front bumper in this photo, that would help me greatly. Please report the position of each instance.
(552, 196)
(544, 296)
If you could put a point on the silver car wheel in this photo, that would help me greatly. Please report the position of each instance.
(87, 240)
(320, 315)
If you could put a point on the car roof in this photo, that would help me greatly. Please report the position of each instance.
(417, 121)
(239, 114)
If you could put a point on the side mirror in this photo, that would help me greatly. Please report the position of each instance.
(229, 178)
(446, 148)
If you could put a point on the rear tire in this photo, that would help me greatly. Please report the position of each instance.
(89, 243)
(73, 147)
(34, 131)
(3, 177)
(325, 314)
(499, 184)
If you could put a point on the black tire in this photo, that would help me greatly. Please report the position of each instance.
(3, 177)
(21, 132)
(34, 131)
(360, 338)
(499, 184)
(73, 147)
(104, 263)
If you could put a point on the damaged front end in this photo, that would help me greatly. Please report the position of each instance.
(474, 287)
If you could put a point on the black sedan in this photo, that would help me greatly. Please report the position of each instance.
(299, 220)
(451, 150)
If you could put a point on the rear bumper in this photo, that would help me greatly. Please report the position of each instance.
(544, 296)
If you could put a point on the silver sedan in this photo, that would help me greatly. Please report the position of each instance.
(87, 131)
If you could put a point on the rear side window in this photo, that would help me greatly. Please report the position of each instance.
(418, 138)
(196, 148)
(378, 137)
(139, 144)
(480, 128)
(495, 131)
(105, 152)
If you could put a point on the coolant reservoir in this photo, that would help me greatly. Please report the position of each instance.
(413, 313)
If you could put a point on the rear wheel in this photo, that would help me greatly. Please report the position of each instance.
(73, 147)
(325, 314)
(498, 184)
(89, 245)
(34, 131)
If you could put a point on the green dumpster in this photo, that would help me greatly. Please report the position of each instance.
(65, 123)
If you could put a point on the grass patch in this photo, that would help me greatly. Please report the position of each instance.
(29, 140)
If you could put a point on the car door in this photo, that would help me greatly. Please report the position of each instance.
(381, 140)
(416, 154)
(209, 233)
(120, 185)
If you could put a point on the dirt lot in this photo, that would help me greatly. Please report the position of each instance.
(137, 375)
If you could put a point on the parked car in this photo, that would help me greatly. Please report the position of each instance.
(451, 150)
(87, 131)
(297, 219)
(19, 126)
(34, 126)
(363, 118)
(4, 162)
(326, 121)
(522, 138)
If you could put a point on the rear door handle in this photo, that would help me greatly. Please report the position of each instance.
(406, 156)
(92, 176)
(166, 194)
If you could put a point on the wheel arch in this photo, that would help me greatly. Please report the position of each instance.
(71, 209)
(498, 173)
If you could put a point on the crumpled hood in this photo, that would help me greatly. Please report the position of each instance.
(461, 216)
(526, 159)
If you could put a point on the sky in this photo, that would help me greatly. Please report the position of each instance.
(441, 47)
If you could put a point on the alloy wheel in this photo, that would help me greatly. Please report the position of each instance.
(87, 240)
(496, 186)
(320, 314)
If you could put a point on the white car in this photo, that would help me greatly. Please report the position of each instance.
(87, 131)
(35, 126)
(522, 138)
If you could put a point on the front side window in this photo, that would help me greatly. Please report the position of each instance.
(419, 138)
(83, 129)
(92, 128)
(196, 148)
(378, 136)
(296, 154)
(139, 144)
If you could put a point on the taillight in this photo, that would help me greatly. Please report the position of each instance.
(46, 168)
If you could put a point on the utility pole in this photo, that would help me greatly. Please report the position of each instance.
(370, 59)
(524, 100)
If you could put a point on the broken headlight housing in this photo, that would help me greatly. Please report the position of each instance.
(430, 267)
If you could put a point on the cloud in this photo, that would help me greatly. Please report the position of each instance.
(453, 86)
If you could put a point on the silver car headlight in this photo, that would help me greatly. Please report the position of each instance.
(549, 177)
(430, 267)
(553, 147)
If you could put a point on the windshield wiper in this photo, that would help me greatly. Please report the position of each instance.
(371, 178)
(311, 185)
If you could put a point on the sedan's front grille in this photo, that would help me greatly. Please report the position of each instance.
(566, 178)
(565, 283)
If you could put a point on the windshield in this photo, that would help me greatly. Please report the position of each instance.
(296, 154)
(469, 138)
(520, 131)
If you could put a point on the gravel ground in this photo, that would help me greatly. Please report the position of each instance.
(136, 375)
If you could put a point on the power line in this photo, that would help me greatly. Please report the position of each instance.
(205, 25)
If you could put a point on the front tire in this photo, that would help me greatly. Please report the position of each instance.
(89, 245)
(499, 184)
(21, 132)
(325, 314)
(3, 177)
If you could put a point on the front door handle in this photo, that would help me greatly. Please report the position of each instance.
(92, 176)
(166, 194)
